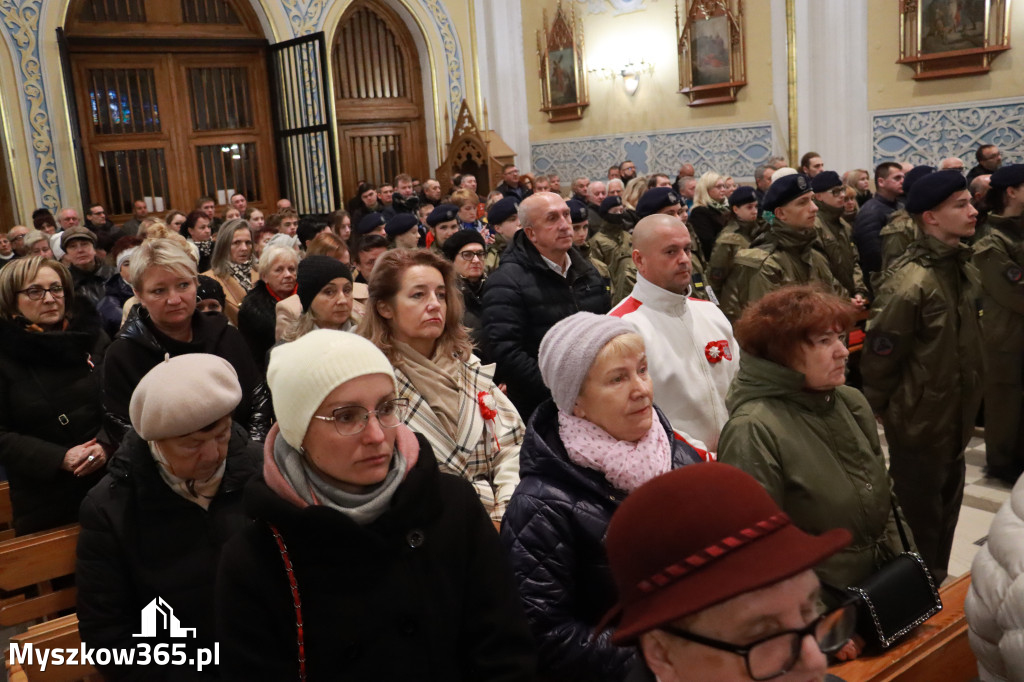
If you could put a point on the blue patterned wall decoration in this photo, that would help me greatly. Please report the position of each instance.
(734, 150)
(20, 22)
(926, 135)
(304, 17)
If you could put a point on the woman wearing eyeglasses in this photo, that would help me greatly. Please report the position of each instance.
(467, 249)
(414, 315)
(365, 562)
(710, 212)
(51, 440)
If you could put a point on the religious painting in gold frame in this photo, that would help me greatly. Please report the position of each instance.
(712, 63)
(563, 76)
(950, 38)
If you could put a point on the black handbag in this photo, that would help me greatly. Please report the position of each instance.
(897, 598)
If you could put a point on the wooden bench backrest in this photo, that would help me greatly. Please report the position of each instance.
(35, 560)
(6, 512)
(60, 633)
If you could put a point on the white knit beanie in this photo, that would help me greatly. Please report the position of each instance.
(304, 372)
(569, 349)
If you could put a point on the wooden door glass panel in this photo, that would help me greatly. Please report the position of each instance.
(130, 174)
(123, 101)
(133, 11)
(220, 98)
(227, 168)
(208, 12)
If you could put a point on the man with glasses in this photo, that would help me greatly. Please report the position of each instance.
(466, 249)
(729, 596)
(836, 235)
(627, 171)
(989, 159)
(509, 186)
(16, 236)
(106, 232)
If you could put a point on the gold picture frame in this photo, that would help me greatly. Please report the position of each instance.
(563, 76)
(712, 63)
(952, 38)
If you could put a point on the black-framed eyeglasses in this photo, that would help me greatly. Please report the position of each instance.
(776, 654)
(39, 293)
(470, 255)
(352, 419)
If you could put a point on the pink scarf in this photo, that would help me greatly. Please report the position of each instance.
(626, 465)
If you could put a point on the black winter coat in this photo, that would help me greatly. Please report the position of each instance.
(554, 530)
(707, 222)
(111, 308)
(49, 402)
(473, 318)
(523, 299)
(257, 318)
(139, 347)
(141, 540)
(422, 593)
(91, 286)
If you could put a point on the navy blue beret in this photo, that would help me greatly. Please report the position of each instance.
(608, 204)
(502, 210)
(1008, 176)
(744, 194)
(656, 199)
(400, 224)
(458, 241)
(577, 211)
(442, 214)
(785, 190)
(913, 175)
(934, 188)
(823, 181)
(370, 222)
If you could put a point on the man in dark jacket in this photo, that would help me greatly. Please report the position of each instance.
(88, 272)
(874, 214)
(989, 160)
(509, 186)
(542, 279)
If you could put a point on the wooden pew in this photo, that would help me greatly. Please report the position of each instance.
(35, 560)
(937, 650)
(6, 512)
(60, 633)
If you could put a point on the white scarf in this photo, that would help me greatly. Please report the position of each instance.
(200, 492)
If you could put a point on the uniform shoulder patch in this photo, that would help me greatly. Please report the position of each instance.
(1014, 273)
(882, 344)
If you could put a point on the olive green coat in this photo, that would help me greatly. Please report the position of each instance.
(999, 257)
(818, 456)
(493, 258)
(733, 238)
(613, 246)
(897, 236)
(836, 238)
(779, 256)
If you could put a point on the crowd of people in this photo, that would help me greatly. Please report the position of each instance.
(516, 436)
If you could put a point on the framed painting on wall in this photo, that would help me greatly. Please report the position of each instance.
(563, 78)
(949, 38)
(712, 66)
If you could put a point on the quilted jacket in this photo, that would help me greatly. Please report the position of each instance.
(554, 530)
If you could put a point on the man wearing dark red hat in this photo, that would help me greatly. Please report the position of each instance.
(726, 597)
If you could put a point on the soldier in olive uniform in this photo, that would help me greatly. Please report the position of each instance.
(503, 219)
(613, 246)
(901, 230)
(667, 201)
(580, 217)
(922, 362)
(443, 222)
(784, 254)
(999, 257)
(836, 235)
(735, 236)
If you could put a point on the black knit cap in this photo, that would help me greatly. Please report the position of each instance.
(502, 210)
(608, 204)
(210, 288)
(934, 188)
(785, 190)
(459, 240)
(577, 211)
(314, 274)
(822, 182)
(370, 222)
(400, 224)
(657, 199)
(442, 214)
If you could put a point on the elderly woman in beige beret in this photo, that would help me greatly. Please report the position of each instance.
(153, 527)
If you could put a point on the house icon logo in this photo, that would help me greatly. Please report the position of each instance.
(158, 617)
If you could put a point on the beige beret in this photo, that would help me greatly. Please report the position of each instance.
(184, 394)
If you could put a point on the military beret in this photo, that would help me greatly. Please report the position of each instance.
(608, 204)
(370, 222)
(913, 175)
(442, 214)
(1008, 176)
(824, 181)
(656, 199)
(400, 224)
(458, 241)
(577, 211)
(785, 190)
(934, 188)
(502, 210)
(743, 195)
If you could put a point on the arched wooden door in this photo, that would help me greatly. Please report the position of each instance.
(378, 97)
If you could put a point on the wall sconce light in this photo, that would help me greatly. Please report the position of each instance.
(630, 74)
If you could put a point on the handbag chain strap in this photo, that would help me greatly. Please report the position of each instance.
(296, 599)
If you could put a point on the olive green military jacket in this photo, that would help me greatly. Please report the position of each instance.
(897, 236)
(836, 238)
(493, 258)
(818, 456)
(613, 246)
(601, 268)
(999, 257)
(779, 256)
(733, 238)
(922, 366)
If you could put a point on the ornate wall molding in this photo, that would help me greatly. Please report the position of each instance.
(452, 53)
(926, 135)
(304, 17)
(20, 23)
(613, 6)
(732, 150)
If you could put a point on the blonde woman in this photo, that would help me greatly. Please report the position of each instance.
(710, 212)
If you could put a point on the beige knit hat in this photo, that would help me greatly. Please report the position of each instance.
(304, 372)
(184, 394)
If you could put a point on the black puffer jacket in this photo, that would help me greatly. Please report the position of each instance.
(139, 346)
(523, 299)
(422, 593)
(707, 223)
(472, 296)
(141, 540)
(49, 402)
(257, 318)
(554, 530)
(91, 286)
